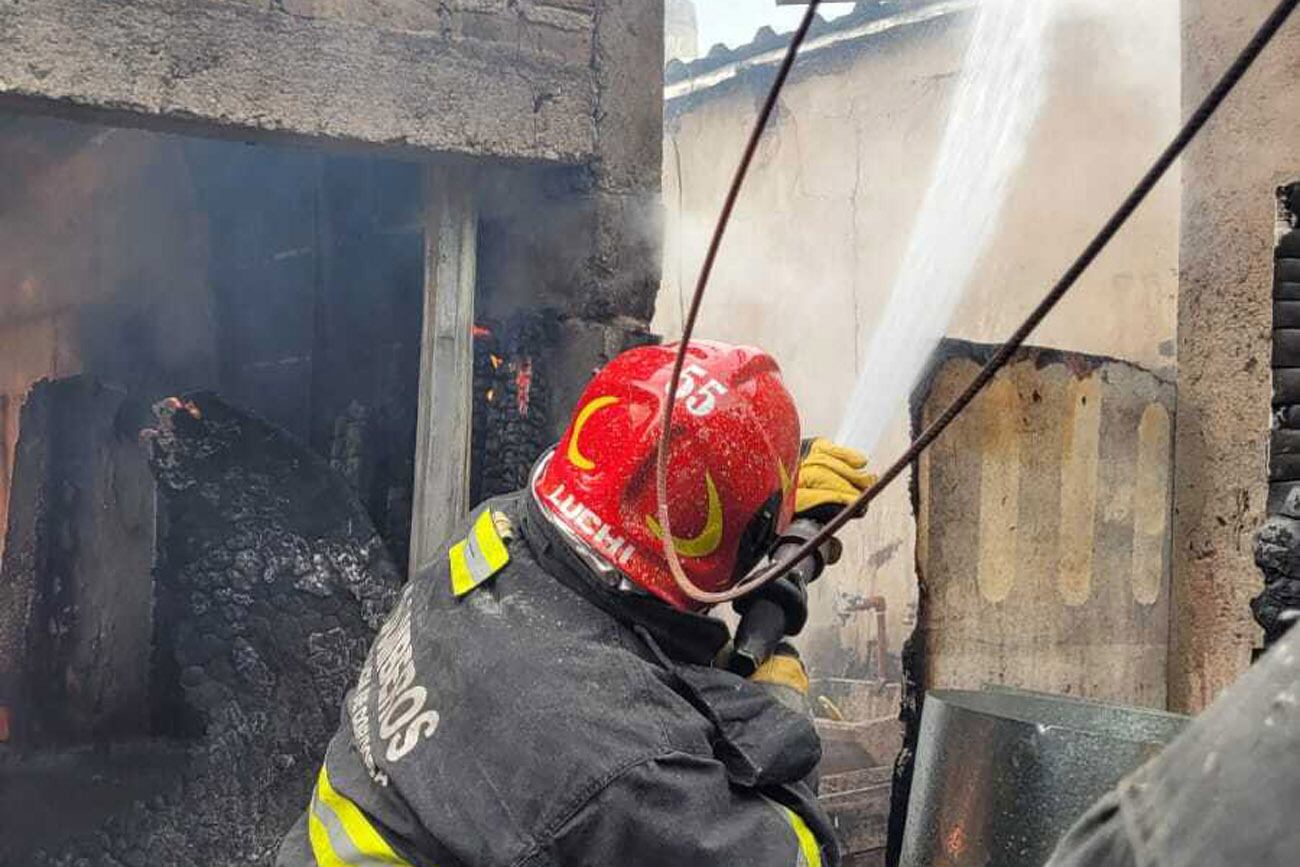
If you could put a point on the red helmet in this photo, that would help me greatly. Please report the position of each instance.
(735, 452)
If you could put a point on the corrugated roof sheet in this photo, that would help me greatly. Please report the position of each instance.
(767, 39)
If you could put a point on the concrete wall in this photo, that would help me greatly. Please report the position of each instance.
(825, 218)
(1224, 322)
(385, 72)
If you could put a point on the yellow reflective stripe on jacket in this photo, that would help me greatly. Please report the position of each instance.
(479, 556)
(461, 580)
(341, 835)
(810, 854)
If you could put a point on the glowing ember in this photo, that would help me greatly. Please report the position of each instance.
(955, 842)
(524, 384)
(175, 403)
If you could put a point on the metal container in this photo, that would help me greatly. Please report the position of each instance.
(1001, 774)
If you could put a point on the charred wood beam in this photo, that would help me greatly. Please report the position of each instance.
(442, 442)
(76, 594)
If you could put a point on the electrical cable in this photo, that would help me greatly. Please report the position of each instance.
(1193, 126)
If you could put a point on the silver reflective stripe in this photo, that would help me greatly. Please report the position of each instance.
(341, 844)
(475, 559)
(334, 843)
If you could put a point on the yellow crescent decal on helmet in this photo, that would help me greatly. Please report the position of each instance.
(710, 537)
(576, 457)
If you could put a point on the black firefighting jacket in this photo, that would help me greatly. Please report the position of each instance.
(1224, 793)
(516, 711)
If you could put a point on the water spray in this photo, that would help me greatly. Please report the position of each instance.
(996, 104)
(1191, 128)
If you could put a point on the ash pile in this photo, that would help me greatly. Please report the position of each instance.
(178, 625)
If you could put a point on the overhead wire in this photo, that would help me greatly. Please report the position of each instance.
(1191, 128)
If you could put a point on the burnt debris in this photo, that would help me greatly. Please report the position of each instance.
(269, 584)
(75, 585)
(512, 423)
(1277, 546)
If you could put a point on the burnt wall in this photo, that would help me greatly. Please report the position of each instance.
(549, 310)
(561, 82)
(289, 280)
(1042, 527)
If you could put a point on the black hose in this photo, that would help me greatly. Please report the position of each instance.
(1195, 123)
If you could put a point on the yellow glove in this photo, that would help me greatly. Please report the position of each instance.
(830, 475)
(785, 679)
(783, 668)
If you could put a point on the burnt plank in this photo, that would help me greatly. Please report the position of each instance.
(1289, 246)
(1284, 442)
(76, 619)
(1277, 495)
(1286, 417)
(1283, 468)
(1286, 290)
(1286, 314)
(1286, 386)
(1286, 347)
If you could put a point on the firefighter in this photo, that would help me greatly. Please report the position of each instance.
(1224, 793)
(545, 694)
